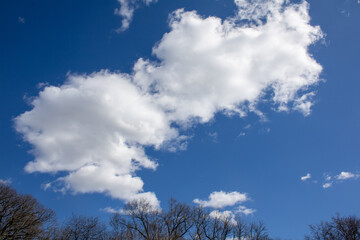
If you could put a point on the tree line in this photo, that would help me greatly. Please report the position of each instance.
(23, 217)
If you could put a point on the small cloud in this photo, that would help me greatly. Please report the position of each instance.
(247, 126)
(222, 199)
(241, 134)
(304, 103)
(5, 181)
(126, 11)
(224, 216)
(306, 177)
(46, 186)
(178, 144)
(42, 85)
(347, 175)
(329, 180)
(214, 136)
(327, 177)
(245, 210)
(264, 130)
(346, 13)
(112, 210)
(21, 20)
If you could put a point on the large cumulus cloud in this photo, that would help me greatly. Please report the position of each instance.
(95, 127)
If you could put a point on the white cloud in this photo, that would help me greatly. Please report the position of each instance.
(112, 210)
(94, 128)
(214, 136)
(306, 177)
(21, 20)
(330, 180)
(304, 103)
(347, 175)
(5, 181)
(327, 177)
(126, 11)
(245, 210)
(209, 65)
(222, 199)
(223, 216)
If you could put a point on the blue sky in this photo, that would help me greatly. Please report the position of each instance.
(238, 109)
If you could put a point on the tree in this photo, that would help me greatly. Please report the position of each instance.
(257, 231)
(22, 216)
(178, 220)
(83, 228)
(139, 220)
(200, 217)
(119, 230)
(142, 220)
(217, 227)
(240, 228)
(339, 228)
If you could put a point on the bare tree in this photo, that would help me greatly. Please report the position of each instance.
(142, 219)
(83, 228)
(212, 227)
(117, 228)
(339, 228)
(257, 231)
(217, 228)
(139, 220)
(120, 231)
(178, 220)
(199, 220)
(240, 228)
(21, 216)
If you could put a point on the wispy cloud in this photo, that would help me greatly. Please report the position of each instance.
(347, 175)
(245, 210)
(327, 177)
(241, 134)
(5, 181)
(224, 216)
(214, 136)
(21, 20)
(306, 177)
(126, 11)
(222, 199)
(329, 181)
(112, 210)
(94, 128)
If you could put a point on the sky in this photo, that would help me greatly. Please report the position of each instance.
(244, 107)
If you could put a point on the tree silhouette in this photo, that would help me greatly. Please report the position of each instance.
(339, 228)
(22, 216)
